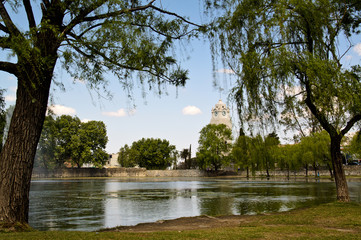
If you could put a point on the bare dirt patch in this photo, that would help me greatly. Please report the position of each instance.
(184, 223)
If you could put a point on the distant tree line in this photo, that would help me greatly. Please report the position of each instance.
(257, 153)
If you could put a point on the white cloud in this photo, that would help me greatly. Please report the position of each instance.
(357, 49)
(227, 71)
(120, 113)
(85, 120)
(191, 110)
(62, 110)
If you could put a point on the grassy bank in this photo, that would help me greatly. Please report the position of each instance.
(328, 221)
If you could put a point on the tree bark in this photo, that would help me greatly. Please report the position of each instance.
(339, 173)
(330, 170)
(17, 156)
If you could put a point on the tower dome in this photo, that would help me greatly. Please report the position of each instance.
(221, 115)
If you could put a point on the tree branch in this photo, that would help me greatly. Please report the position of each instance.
(320, 117)
(161, 33)
(350, 124)
(176, 15)
(4, 29)
(82, 16)
(118, 13)
(7, 20)
(8, 67)
(29, 13)
(99, 53)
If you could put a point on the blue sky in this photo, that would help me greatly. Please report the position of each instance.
(177, 116)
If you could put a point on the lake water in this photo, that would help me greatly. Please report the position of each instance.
(91, 204)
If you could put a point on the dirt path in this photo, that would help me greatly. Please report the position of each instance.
(184, 223)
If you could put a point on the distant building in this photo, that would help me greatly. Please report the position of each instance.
(112, 161)
(221, 115)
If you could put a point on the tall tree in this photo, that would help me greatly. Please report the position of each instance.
(87, 146)
(214, 146)
(241, 152)
(185, 155)
(123, 157)
(288, 53)
(271, 142)
(127, 38)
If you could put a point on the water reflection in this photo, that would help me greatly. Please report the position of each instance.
(97, 203)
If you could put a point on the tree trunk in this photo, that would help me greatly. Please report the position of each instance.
(17, 156)
(267, 171)
(247, 172)
(340, 178)
(315, 168)
(330, 170)
(288, 172)
(306, 167)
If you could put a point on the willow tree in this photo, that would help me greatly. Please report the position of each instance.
(288, 53)
(130, 39)
(214, 146)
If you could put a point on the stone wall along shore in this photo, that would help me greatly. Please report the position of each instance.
(142, 172)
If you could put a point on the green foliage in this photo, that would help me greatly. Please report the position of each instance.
(46, 151)
(186, 155)
(149, 153)
(66, 138)
(241, 152)
(355, 145)
(214, 146)
(123, 157)
(286, 52)
(316, 149)
(256, 153)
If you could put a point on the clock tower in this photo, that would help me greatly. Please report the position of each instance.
(221, 114)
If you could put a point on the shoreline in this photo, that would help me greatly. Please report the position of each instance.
(350, 171)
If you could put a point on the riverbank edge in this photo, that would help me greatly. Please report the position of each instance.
(142, 172)
(326, 221)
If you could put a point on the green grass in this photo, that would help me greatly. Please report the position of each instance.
(328, 221)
